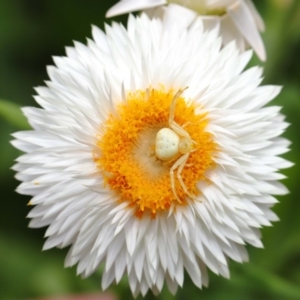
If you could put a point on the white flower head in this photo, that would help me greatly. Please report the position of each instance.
(238, 19)
(101, 177)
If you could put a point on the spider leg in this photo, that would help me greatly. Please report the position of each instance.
(179, 130)
(172, 124)
(172, 106)
(180, 168)
(178, 163)
(167, 162)
(186, 124)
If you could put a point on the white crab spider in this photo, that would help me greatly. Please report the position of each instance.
(174, 142)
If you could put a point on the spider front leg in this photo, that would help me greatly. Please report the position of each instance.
(172, 124)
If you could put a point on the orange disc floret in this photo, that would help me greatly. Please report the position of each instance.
(128, 162)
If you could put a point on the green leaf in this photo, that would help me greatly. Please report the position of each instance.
(12, 113)
(271, 283)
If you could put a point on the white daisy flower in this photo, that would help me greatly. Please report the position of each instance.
(238, 19)
(118, 117)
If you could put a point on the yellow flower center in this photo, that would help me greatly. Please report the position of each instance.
(128, 161)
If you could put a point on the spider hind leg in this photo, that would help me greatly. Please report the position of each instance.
(180, 164)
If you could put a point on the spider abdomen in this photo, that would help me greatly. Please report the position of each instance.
(166, 144)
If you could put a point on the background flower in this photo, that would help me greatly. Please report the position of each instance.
(271, 274)
(238, 19)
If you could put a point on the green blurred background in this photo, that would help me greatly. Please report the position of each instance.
(31, 31)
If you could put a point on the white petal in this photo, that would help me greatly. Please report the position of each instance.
(230, 32)
(126, 6)
(170, 17)
(258, 19)
(210, 22)
(245, 22)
